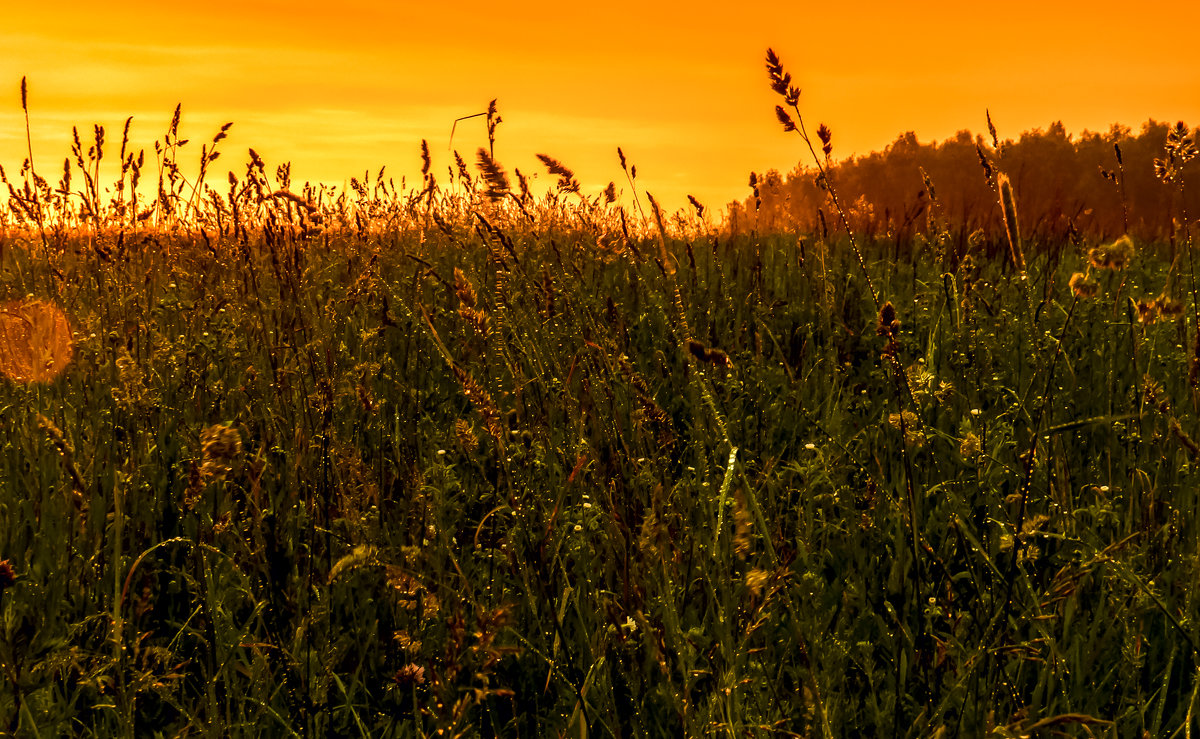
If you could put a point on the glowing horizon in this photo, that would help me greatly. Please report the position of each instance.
(680, 88)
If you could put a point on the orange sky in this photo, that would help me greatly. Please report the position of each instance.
(339, 88)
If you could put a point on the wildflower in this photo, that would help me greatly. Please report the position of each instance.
(220, 445)
(920, 381)
(1147, 311)
(410, 674)
(1083, 287)
(406, 643)
(756, 580)
(1112, 256)
(131, 391)
(7, 577)
(970, 446)
(909, 422)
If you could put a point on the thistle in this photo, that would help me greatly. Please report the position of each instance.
(887, 324)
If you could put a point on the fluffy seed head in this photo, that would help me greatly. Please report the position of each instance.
(1008, 207)
(1083, 287)
(1112, 256)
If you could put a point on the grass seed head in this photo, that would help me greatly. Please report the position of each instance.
(826, 137)
(464, 290)
(1184, 439)
(1008, 207)
(1154, 396)
(742, 542)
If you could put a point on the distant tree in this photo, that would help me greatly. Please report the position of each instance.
(1062, 183)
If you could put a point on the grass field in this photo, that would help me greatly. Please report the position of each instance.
(463, 461)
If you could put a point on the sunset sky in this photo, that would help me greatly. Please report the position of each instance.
(339, 88)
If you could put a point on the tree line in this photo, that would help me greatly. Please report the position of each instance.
(1093, 186)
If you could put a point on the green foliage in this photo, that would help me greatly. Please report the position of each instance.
(514, 480)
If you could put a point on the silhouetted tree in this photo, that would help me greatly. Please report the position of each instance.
(1060, 182)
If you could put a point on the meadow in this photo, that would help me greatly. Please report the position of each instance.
(459, 459)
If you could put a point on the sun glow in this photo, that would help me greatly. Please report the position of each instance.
(679, 87)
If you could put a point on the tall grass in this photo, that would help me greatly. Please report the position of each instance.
(469, 461)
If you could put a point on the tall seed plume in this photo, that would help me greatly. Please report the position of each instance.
(493, 174)
(667, 264)
(826, 137)
(1008, 207)
(785, 118)
(983, 162)
(463, 289)
(566, 178)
